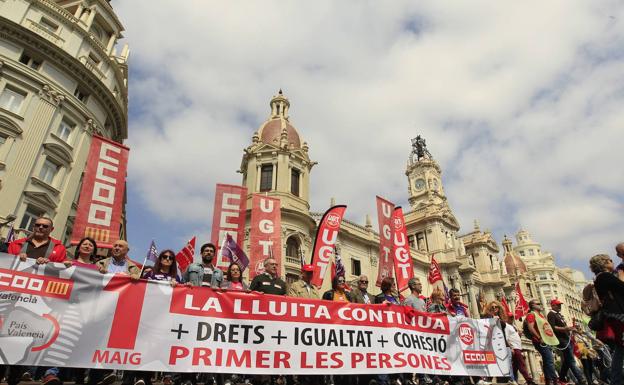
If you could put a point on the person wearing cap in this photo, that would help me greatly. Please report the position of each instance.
(416, 300)
(303, 287)
(566, 347)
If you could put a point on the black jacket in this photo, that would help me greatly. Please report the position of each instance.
(610, 290)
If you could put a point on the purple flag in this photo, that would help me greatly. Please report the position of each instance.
(340, 269)
(11, 235)
(231, 251)
(152, 253)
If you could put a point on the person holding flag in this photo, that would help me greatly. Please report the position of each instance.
(204, 273)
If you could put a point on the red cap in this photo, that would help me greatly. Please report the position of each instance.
(307, 268)
(555, 301)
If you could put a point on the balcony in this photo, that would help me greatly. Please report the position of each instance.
(43, 31)
(92, 66)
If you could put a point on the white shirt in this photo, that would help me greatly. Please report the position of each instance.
(513, 338)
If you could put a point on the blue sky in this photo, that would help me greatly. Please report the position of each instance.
(520, 103)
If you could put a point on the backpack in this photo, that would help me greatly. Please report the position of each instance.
(591, 302)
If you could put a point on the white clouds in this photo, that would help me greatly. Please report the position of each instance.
(520, 103)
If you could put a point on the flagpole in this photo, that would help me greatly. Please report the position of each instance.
(145, 260)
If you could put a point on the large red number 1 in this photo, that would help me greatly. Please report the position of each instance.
(128, 311)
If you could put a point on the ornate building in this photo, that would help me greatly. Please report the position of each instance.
(62, 80)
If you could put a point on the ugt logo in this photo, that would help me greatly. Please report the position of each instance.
(333, 220)
(466, 334)
(398, 223)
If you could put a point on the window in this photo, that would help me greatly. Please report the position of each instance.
(64, 130)
(26, 59)
(81, 95)
(266, 177)
(94, 59)
(12, 100)
(411, 239)
(294, 182)
(531, 252)
(48, 24)
(356, 267)
(48, 171)
(30, 216)
(522, 253)
(292, 247)
(3, 139)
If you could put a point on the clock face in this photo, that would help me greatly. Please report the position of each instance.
(419, 184)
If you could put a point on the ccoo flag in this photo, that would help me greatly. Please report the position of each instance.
(185, 256)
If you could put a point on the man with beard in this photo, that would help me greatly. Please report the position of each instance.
(204, 273)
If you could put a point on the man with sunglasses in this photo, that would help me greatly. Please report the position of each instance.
(40, 245)
(360, 293)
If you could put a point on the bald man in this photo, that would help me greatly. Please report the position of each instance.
(619, 269)
(119, 262)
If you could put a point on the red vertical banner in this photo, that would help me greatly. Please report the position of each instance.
(326, 237)
(102, 194)
(265, 238)
(228, 218)
(402, 258)
(386, 243)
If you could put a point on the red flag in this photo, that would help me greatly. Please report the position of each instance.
(505, 305)
(522, 307)
(401, 254)
(185, 256)
(435, 274)
(265, 232)
(102, 193)
(228, 218)
(326, 237)
(435, 277)
(386, 231)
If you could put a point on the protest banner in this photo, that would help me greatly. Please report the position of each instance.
(386, 244)
(265, 232)
(324, 242)
(57, 316)
(228, 218)
(102, 193)
(401, 256)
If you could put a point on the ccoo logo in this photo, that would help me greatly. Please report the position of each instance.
(466, 334)
(333, 220)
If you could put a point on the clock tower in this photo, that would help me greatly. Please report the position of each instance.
(424, 176)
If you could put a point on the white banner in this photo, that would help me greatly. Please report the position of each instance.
(56, 316)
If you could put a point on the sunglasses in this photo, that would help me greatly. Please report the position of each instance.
(168, 256)
(341, 281)
(363, 281)
(42, 225)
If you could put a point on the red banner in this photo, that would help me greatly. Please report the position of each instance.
(384, 217)
(326, 237)
(265, 238)
(102, 194)
(228, 217)
(402, 258)
(522, 307)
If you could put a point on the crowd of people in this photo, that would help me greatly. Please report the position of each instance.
(601, 355)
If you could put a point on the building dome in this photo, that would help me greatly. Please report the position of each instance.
(513, 263)
(277, 130)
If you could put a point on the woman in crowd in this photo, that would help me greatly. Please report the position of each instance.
(610, 290)
(165, 269)
(337, 292)
(437, 302)
(387, 293)
(234, 279)
(86, 253)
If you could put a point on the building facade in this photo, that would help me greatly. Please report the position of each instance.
(61, 81)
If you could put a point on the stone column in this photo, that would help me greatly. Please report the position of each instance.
(27, 149)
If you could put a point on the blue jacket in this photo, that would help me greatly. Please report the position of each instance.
(195, 275)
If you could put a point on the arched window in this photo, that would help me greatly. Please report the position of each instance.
(292, 247)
